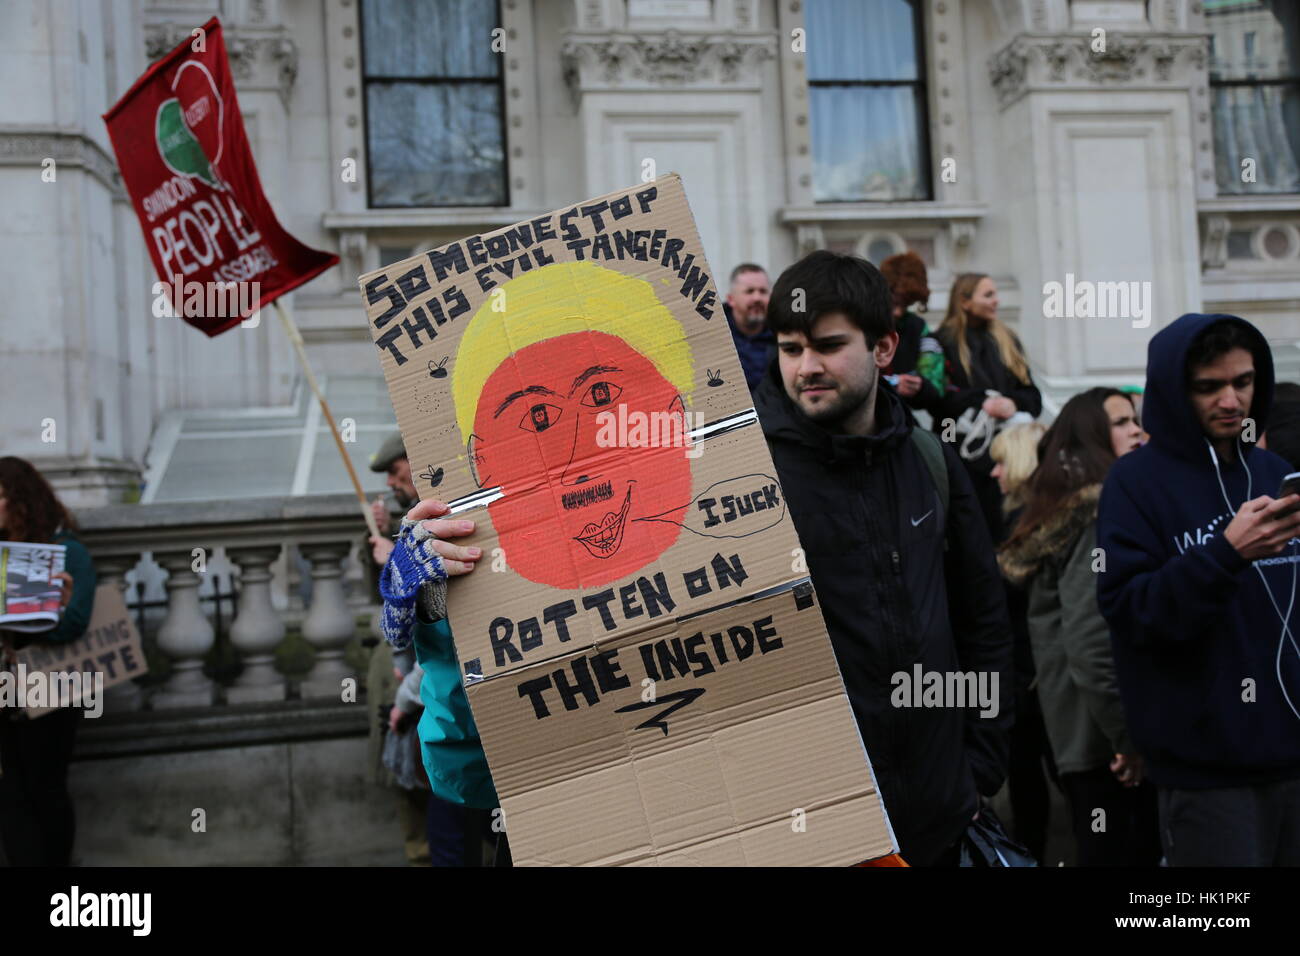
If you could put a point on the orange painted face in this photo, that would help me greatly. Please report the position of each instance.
(572, 486)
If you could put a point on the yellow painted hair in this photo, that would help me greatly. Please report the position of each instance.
(558, 299)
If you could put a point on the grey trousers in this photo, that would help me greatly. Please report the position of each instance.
(1232, 826)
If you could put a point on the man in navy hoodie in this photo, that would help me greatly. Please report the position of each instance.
(1199, 578)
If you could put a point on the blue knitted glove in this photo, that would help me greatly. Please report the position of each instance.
(412, 564)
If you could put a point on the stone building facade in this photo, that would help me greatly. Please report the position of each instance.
(1040, 141)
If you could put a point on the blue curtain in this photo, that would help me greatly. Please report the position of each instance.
(433, 144)
(430, 37)
(860, 40)
(1260, 123)
(866, 139)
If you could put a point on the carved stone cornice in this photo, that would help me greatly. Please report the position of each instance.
(1069, 62)
(620, 61)
(261, 58)
(20, 147)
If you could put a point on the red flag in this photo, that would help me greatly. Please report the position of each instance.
(180, 142)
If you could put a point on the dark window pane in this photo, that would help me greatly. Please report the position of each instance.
(390, 254)
(1239, 245)
(1257, 137)
(1256, 122)
(860, 40)
(430, 38)
(866, 144)
(879, 250)
(435, 145)
(1253, 40)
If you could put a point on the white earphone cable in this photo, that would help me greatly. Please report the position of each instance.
(1284, 618)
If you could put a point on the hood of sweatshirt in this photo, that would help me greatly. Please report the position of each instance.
(1167, 414)
(1191, 619)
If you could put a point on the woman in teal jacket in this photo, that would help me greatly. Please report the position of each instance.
(413, 585)
(37, 821)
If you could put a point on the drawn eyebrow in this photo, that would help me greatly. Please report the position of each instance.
(530, 390)
(594, 370)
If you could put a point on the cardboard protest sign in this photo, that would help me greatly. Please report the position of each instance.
(110, 652)
(650, 674)
(215, 242)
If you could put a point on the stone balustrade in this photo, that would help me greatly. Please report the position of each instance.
(297, 564)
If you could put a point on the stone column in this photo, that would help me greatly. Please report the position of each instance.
(257, 629)
(1106, 138)
(329, 623)
(127, 695)
(67, 63)
(185, 636)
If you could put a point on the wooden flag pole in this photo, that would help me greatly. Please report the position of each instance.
(292, 331)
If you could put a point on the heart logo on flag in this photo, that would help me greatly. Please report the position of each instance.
(189, 126)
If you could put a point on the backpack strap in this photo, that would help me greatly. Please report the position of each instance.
(930, 449)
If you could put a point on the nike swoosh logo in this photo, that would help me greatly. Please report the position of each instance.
(917, 521)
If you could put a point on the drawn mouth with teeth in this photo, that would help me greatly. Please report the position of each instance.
(602, 540)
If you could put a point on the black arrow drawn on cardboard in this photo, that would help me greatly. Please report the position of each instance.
(679, 698)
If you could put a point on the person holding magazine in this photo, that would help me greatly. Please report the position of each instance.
(37, 821)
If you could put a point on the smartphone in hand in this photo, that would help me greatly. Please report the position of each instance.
(1290, 486)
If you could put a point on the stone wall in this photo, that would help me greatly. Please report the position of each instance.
(279, 785)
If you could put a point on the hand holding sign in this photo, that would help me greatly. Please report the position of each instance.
(455, 559)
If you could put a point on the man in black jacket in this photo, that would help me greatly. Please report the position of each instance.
(903, 567)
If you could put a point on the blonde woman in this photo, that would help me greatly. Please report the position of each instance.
(1015, 456)
(983, 356)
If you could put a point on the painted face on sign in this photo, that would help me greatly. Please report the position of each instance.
(551, 431)
(570, 392)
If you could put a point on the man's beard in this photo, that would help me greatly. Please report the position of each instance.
(403, 499)
(752, 320)
(847, 400)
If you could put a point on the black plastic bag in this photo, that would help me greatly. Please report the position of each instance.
(985, 843)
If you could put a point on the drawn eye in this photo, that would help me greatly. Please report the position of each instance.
(540, 417)
(601, 394)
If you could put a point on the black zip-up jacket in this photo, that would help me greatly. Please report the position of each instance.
(872, 527)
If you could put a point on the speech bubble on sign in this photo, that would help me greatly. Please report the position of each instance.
(732, 508)
(201, 108)
(178, 147)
